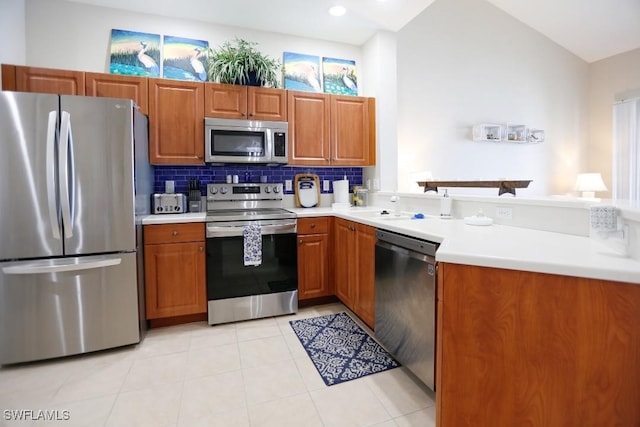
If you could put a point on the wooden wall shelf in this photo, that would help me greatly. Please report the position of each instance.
(503, 186)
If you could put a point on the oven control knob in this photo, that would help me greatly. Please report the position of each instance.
(213, 190)
(223, 190)
(276, 189)
(267, 189)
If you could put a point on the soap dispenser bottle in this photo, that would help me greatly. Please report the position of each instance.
(445, 205)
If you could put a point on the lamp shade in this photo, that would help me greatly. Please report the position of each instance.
(589, 183)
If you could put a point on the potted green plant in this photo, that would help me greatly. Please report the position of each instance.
(240, 62)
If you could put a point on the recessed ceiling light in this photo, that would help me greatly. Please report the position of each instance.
(337, 10)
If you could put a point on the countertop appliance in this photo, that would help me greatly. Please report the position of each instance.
(405, 294)
(307, 186)
(236, 213)
(69, 259)
(245, 141)
(169, 203)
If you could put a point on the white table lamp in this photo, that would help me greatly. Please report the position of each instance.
(589, 183)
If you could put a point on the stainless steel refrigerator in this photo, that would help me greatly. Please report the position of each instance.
(74, 180)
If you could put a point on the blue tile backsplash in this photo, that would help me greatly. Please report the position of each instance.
(206, 174)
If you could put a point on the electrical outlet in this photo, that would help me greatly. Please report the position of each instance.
(288, 185)
(504, 212)
(325, 185)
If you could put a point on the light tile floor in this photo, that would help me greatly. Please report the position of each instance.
(252, 373)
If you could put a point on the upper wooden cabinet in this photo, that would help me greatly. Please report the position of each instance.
(118, 86)
(245, 102)
(309, 128)
(42, 80)
(352, 131)
(176, 122)
(331, 130)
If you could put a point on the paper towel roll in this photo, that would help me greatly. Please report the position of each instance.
(341, 191)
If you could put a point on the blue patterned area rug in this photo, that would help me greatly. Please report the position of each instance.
(340, 350)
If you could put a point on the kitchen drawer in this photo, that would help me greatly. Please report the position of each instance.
(317, 225)
(174, 233)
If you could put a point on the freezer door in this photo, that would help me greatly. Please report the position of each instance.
(53, 308)
(96, 175)
(28, 193)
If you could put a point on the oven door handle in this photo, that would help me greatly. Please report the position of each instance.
(214, 231)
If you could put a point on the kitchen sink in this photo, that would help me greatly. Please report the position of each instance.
(378, 215)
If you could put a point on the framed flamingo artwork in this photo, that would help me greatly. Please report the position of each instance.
(339, 76)
(134, 53)
(302, 72)
(184, 59)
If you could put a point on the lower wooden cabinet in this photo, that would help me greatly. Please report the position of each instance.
(175, 277)
(314, 249)
(522, 348)
(354, 267)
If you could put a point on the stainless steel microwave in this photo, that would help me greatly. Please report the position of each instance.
(245, 141)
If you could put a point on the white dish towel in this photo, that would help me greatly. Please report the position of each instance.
(252, 244)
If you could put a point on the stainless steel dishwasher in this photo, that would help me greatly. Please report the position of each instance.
(405, 287)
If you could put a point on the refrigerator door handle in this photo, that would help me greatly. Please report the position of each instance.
(55, 267)
(66, 171)
(51, 174)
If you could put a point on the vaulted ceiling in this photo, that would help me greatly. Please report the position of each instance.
(591, 29)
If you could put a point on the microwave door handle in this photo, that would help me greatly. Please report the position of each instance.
(50, 159)
(66, 167)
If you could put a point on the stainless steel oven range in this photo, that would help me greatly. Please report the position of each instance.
(268, 285)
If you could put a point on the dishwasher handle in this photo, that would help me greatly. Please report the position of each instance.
(412, 244)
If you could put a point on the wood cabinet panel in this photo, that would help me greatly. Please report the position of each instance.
(354, 267)
(175, 279)
(175, 276)
(314, 257)
(365, 273)
(225, 101)
(344, 256)
(315, 225)
(265, 103)
(245, 102)
(9, 77)
(313, 266)
(522, 348)
(176, 122)
(48, 80)
(309, 130)
(174, 233)
(118, 86)
(349, 131)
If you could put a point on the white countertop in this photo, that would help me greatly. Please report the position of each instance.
(502, 246)
(496, 246)
(174, 218)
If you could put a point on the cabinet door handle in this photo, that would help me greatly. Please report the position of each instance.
(201, 249)
(300, 241)
(250, 114)
(175, 233)
(200, 157)
(313, 225)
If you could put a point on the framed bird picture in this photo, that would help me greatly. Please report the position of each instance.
(134, 54)
(302, 72)
(184, 59)
(339, 76)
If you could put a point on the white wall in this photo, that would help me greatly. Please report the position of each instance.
(463, 62)
(12, 32)
(62, 34)
(380, 65)
(610, 80)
